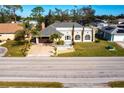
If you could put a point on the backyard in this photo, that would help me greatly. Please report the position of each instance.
(94, 49)
(14, 49)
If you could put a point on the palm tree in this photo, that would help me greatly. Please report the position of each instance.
(73, 35)
(55, 37)
(37, 12)
(28, 31)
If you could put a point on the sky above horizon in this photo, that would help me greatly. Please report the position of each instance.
(100, 9)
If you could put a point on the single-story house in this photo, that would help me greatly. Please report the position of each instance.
(120, 20)
(99, 23)
(7, 30)
(64, 29)
(113, 33)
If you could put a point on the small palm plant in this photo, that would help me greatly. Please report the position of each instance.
(55, 37)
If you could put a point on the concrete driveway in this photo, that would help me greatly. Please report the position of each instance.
(41, 50)
(120, 43)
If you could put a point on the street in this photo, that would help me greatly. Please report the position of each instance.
(71, 71)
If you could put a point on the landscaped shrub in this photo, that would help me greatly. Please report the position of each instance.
(109, 47)
(60, 42)
(97, 41)
(8, 38)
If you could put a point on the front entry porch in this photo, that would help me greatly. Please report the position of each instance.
(38, 40)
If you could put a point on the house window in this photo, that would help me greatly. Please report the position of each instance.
(67, 37)
(87, 37)
(77, 37)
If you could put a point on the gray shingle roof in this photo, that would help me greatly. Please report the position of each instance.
(66, 24)
(49, 31)
(112, 29)
(52, 28)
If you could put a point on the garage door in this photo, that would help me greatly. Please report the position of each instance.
(44, 40)
(118, 37)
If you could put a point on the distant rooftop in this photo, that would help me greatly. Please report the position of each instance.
(113, 30)
(66, 24)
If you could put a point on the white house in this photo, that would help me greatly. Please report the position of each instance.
(81, 34)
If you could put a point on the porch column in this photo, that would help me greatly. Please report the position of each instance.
(37, 40)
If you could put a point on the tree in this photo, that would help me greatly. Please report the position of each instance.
(20, 35)
(36, 14)
(55, 37)
(120, 16)
(49, 19)
(4, 14)
(26, 33)
(89, 14)
(12, 10)
(61, 15)
(73, 35)
(74, 14)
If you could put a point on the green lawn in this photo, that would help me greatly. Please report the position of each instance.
(14, 50)
(94, 49)
(31, 84)
(116, 84)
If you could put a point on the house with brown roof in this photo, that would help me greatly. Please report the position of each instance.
(7, 30)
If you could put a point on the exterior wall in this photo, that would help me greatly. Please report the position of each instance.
(107, 36)
(87, 31)
(118, 38)
(78, 31)
(68, 32)
(7, 36)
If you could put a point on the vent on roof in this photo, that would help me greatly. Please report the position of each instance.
(120, 31)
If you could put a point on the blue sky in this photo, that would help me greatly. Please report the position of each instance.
(100, 9)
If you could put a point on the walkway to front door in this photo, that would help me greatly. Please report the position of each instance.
(41, 50)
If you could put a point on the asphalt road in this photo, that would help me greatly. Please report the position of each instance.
(73, 72)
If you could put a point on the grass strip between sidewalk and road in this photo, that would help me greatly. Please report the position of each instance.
(31, 85)
(116, 84)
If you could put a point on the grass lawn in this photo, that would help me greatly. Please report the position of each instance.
(31, 84)
(14, 50)
(94, 49)
(117, 84)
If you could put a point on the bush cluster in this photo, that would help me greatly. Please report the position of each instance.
(97, 41)
(60, 42)
(109, 47)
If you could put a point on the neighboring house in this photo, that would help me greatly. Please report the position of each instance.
(33, 22)
(64, 29)
(99, 23)
(7, 30)
(113, 33)
(121, 20)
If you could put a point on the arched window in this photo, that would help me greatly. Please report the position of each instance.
(77, 37)
(67, 37)
(87, 37)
